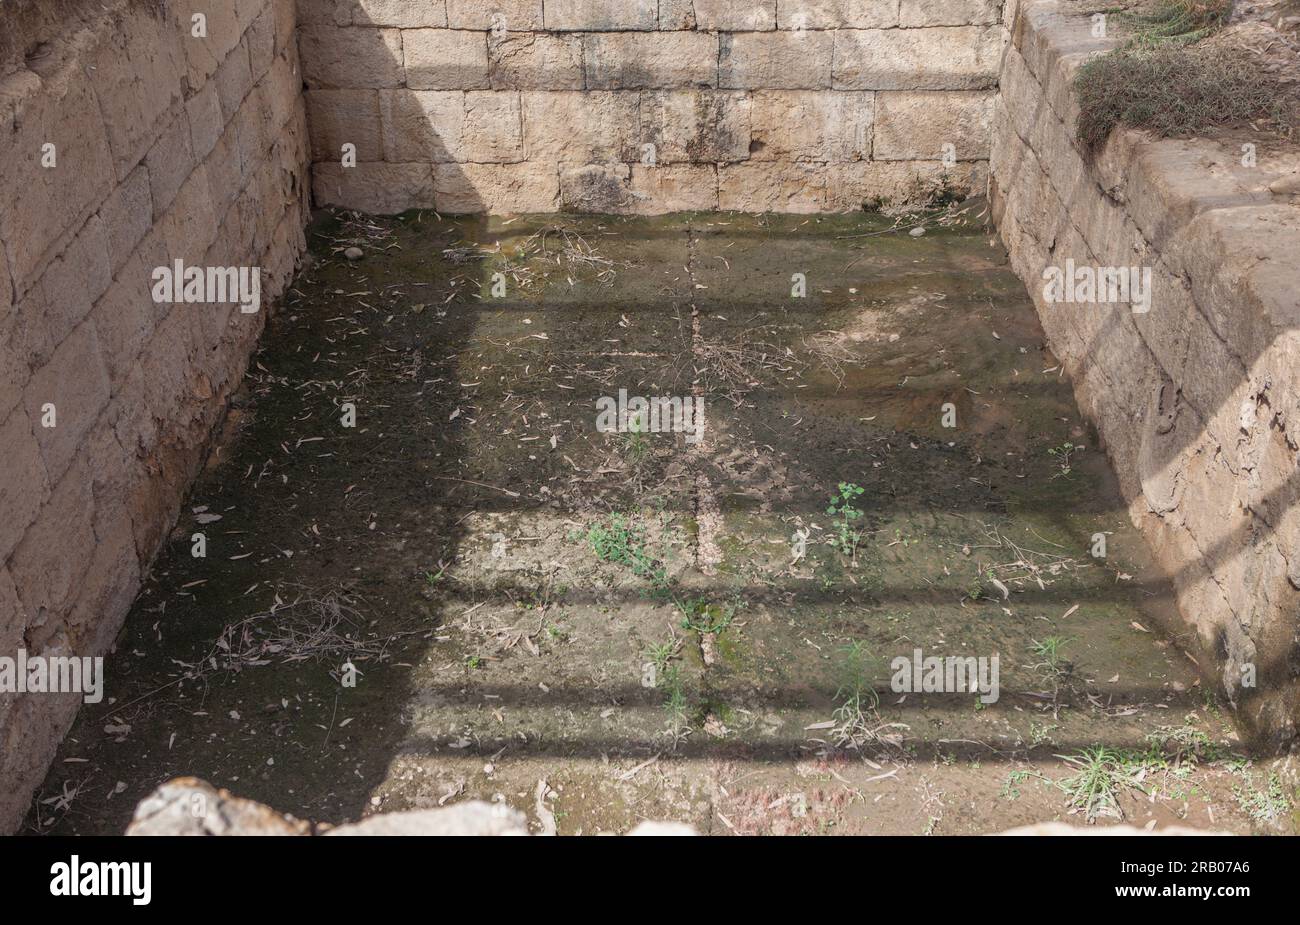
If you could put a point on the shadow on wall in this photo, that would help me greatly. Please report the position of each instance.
(409, 143)
(1198, 418)
(638, 107)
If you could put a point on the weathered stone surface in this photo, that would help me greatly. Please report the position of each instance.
(913, 13)
(872, 184)
(650, 61)
(339, 117)
(204, 49)
(54, 554)
(575, 127)
(76, 383)
(735, 15)
(921, 125)
(764, 187)
(696, 126)
(189, 806)
(138, 86)
(496, 188)
(1183, 396)
(806, 125)
(384, 189)
(676, 14)
(535, 61)
(219, 123)
(233, 81)
(941, 58)
(775, 60)
(70, 285)
(354, 58)
(422, 125)
(471, 818)
(206, 121)
(497, 15)
(170, 163)
(674, 188)
(24, 486)
(445, 59)
(838, 14)
(42, 203)
(597, 188)
(601, 15)
(404, 14)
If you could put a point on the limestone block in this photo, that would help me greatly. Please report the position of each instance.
(404, 14)
(339, 117)
(445, 59)
(806, 125)
(941, 58)
(696, 126)
(496, 188)
(575, 127)
(24, 485)
(920, 125)
(501, 15)
(775, 60)
(913, 13)
(838, 14)
(601, 15)
(650, 60)
(383, 189)
(766, 187)
(535, 61)
(351, 58)
(735, 15)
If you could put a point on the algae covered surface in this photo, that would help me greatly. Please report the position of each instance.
(430, 577)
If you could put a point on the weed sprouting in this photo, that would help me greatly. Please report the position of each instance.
(846, 513)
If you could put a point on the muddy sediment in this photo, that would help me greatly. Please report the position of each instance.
(473, 593)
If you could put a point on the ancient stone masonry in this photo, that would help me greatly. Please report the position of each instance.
(1196, 396)
(158, 160)
(127, 142)
(647, 106)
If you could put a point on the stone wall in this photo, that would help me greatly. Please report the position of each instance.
(545, 105)
(165, 146)
(1197, 399)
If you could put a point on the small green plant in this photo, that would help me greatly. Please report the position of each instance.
(856, 722)
(557, 633)
(473, 662)
(660, 654)
(432, 579)
(976, 590)
(1010, 787)
(1062, 456)
(1184, 745)
(620, 540)
(846, 513)
(1040, 734)
(636, 442)
(676, 704)
(1051, 650)
(1264, 806)
(1103, 774)
(703, 617)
